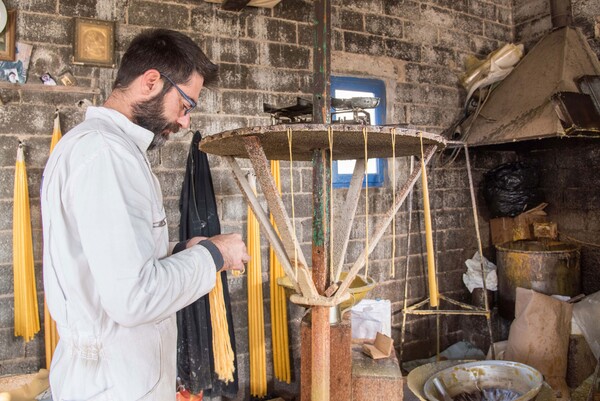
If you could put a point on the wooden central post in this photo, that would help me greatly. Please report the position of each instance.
(320, 343)
(320, 332)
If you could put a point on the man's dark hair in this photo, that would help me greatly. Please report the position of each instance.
(172, 53)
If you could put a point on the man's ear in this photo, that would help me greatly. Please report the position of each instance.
(151, 83)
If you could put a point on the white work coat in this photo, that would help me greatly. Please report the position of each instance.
(109, 282)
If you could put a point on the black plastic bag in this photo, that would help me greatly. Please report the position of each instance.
(512, 188)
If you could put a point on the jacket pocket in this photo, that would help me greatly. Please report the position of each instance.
(135, 363)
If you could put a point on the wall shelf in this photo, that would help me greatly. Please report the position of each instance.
(48, 88)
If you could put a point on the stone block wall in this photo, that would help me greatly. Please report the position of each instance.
(569, 181)
(532, 20)
(265, 55)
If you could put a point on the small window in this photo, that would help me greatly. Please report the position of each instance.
(345, 88)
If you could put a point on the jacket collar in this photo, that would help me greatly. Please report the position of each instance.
(139, 135)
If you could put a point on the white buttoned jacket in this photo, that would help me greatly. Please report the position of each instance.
(109, 282)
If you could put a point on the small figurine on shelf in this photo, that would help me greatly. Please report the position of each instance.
(67, 79)
(12, 77)
(48, 80)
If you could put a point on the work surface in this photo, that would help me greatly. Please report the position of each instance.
(347, 141)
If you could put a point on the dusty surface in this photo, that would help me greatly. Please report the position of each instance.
(347, 141)
(8, 383)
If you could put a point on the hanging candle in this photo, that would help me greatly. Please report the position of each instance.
(27, 322)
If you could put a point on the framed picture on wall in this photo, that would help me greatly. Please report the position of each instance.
(16, 71)
(94, 42)
(7, 37)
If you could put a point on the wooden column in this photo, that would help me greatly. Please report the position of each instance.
(320, 262)
(321, 195)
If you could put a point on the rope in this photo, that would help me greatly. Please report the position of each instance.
(483, 274)
(331, 272)
(409, 227)
(436, 260)
(289, 136)
(365, 136)
(579, 241)
(393, 266)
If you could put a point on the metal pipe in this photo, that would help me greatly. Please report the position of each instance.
(561, 13)
(322, 63)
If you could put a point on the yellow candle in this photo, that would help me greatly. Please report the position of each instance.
(433, 290)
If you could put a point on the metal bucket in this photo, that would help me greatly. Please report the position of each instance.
(549, 267)
(482, 375)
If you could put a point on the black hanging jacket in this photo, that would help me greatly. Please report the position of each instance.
(195, 359)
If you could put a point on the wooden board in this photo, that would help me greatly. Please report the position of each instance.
(348, 141)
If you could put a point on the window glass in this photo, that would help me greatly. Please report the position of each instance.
(346, 88)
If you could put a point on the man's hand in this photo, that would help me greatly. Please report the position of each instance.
(233, 250)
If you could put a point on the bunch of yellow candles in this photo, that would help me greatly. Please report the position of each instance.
(279, 328)
(221, 342)
(256, 326)
(27, 321)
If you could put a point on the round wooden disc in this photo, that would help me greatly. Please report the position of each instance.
(348, 141)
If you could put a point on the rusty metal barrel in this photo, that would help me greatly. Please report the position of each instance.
(549, 267)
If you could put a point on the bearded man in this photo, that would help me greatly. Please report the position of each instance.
(112, 282)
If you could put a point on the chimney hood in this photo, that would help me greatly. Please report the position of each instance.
(521, 107)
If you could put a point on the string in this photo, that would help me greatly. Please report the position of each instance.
(365, 137)
(289, 136)
(330, 137)
(393, 267)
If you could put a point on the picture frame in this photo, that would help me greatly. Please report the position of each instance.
(16, 71)
(94, 42)
(7, 37)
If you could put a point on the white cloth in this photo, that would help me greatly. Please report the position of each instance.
(371, 316)
(109, 283)
(472, 278)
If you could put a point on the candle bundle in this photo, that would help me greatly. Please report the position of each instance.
(256, 325)
(221, 343)
(27, 322)
(279, 323)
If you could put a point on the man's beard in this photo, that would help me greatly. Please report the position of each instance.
(149, 115)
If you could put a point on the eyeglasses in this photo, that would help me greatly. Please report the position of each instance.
(183, 95)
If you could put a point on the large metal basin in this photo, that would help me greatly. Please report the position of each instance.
(548, 267)
(484, 375)
(358, 289)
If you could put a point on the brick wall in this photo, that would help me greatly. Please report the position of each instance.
(532, 20)
(569, 182)
(416, 47)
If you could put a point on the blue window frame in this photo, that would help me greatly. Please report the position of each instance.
(347, 87)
